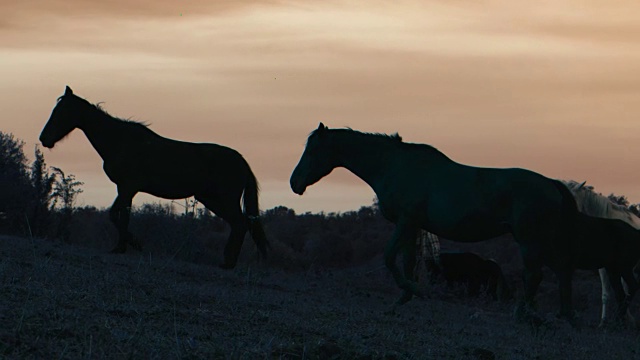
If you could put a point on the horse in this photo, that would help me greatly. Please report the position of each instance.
(137, 159)
(613, 246)
(595, 204)
(419, 187)
(472, 271)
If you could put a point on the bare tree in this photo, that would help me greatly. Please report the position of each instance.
(42, 183)
(65, 190)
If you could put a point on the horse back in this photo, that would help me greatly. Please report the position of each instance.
(164, 167)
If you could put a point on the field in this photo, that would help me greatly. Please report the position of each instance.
(62, 301)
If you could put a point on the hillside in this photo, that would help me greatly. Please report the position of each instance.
(70, 302)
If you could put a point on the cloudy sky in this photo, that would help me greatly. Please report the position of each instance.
(552, 86)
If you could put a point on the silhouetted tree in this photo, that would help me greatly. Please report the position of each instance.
(282, 212)
(42, 184)
(14, 184)
(190, 206)
(65, 190)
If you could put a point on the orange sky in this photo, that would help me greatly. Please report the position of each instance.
(552, 86)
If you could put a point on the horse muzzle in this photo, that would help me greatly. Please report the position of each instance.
(47, 144)
(297, 187)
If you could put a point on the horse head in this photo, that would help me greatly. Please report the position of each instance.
(64, 119)
(316, 161)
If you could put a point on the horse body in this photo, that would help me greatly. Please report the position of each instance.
(137, 159)
(458, 211)
(613, 246)
(469, 204)
(606, 243)
(166, 174)
(419, 187)
(595, 204)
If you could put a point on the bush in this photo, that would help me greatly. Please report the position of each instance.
(298, 242)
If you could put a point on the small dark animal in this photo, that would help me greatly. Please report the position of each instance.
(137, 159)
(472, 271)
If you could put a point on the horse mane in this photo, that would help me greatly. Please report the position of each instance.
(98, 107)
(393, 139)
(127, 121)
(598, 205)
(394, 136)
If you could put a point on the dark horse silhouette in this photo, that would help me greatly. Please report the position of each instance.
(614, 245)
(418, 187)
(595, 204)
(472, 271)
(138, 160)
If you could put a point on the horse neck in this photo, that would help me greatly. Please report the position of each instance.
(366, 156)
(599, 206)
(101, 130)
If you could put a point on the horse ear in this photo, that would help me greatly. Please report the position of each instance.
(581, 185)
(321, 127)
(68, 91)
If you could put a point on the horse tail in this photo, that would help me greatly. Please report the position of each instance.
(251, 210)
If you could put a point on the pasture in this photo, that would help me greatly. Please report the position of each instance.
(76, 301)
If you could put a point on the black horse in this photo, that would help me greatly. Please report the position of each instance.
(474, 272)
(419, 187)
(138, 160)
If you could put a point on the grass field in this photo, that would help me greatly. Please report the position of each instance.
(76, 302)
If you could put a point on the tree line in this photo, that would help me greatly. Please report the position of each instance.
(35, 200)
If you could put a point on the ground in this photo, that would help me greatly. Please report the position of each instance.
(60, 301)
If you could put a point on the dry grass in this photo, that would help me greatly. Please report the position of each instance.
(60, 301)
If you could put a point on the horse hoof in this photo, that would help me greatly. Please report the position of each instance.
(118, 250)
(617, 324)
(411, 288)
(603, 325)
(572, 319)
(526, 314)
(392, 310)
(135, 244)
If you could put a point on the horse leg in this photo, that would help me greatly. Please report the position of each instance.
(409, 263)
(531, 277)
(403, 236)
(606, 296)
(632, 288)
(119, 216)
(565, 285)
(230, 212)
(618, 290)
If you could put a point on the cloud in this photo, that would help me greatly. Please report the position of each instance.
(492, 83)
(123, 9)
